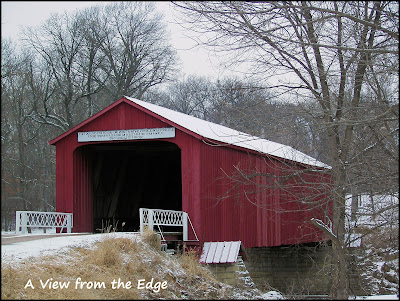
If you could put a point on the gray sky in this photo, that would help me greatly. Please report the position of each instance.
(197, 61)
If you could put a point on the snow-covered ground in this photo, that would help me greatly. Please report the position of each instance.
(372, 211)
(51, 246)
(16, 252)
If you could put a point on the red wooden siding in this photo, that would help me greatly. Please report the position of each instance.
(82, 196)
(261, 216)
(218, 209)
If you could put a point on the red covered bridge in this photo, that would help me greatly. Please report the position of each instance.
(135, 155)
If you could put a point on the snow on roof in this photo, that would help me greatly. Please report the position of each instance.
(227, 136)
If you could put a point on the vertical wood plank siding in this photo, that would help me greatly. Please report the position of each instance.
(218, 209)
(273, 217)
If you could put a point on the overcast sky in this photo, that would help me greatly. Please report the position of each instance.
(197, 61)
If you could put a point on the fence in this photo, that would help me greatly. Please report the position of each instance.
(37, 219)
(159, 217)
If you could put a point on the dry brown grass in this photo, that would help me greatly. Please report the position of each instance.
(151, 238)
(190, 262)
(101, 264)
(113, 258)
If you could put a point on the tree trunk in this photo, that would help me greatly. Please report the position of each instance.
(340, 283)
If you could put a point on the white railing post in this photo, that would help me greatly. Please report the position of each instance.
(141, 220)
(151, 221)
(69, 223)
(185, 226)
(23, 223)
(17, 222)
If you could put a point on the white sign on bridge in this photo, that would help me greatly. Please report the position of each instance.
(135, 134)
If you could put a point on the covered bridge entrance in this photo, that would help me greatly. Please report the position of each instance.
(124, 177)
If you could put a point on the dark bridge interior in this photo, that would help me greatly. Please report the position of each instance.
(133, 175)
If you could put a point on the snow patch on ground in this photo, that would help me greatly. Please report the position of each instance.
(16, 252)
(272, 295)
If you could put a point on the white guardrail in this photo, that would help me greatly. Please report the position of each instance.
(37, 219)
(159, 217)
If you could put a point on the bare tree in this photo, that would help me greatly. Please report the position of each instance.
(88, 59)
(135, 45)
(91, 58)
(22, 179)
(55, 76)
(191, 96)
(334, 54)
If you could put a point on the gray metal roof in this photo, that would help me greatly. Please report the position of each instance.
(220, 252)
